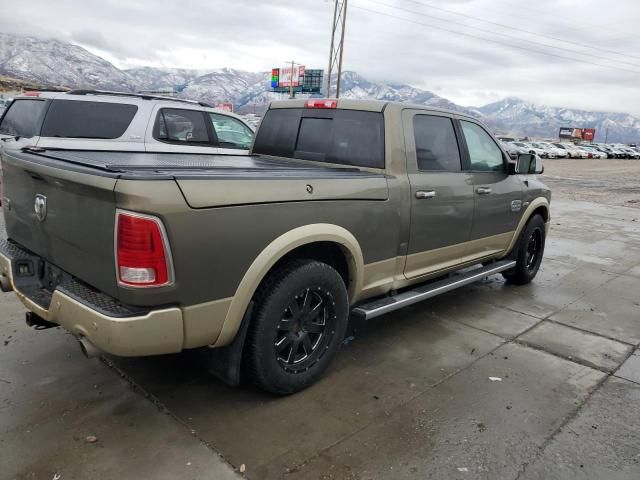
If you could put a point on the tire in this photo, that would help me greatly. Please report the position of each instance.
(287, 352)
(529, 253)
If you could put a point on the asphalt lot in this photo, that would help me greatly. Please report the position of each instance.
(489, 382)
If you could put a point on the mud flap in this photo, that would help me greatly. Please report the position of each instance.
(225, 363)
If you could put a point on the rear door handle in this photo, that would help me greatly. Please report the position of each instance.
(421, 194)
(483, 190)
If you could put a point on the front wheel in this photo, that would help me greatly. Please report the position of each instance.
(528, 256)
(300, 319)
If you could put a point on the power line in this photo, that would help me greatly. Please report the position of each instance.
(529, 32)
(608, 24)
(533, 42)
(518, 47)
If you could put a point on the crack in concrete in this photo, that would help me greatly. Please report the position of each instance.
(162, 407)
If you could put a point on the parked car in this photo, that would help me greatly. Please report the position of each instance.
(541, 150)
(530, 149)
(558, 152)
(343, 206)
(522, 147)
(593, 152)
(618, 153)
(571, 150)
(519, 147)
(630, 153)
(98, 120)
(603, 149)
(511, 149)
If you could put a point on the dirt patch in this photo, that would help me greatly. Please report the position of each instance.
(612, 182)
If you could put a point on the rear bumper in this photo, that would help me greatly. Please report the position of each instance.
(112, 327)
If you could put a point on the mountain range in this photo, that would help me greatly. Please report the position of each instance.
(51, 62)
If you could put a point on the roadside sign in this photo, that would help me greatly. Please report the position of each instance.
(291, 76)
(577, 133)
(308, 81)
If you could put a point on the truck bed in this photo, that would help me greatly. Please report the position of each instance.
(141, 165)
(83, 189)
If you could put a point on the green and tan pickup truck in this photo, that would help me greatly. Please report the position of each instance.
(344, 209)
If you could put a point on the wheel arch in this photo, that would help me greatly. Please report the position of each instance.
(539, 206)
(296, 243)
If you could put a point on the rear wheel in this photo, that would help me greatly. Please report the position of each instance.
(299, 323)
(529, 253)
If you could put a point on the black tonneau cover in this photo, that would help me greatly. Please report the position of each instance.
(152, 165)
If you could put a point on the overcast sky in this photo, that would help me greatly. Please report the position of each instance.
(468, 57)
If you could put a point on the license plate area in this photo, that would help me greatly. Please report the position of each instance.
(37, 279)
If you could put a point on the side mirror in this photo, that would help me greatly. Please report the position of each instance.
(527, 164)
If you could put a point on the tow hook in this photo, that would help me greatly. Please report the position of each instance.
(37, 322)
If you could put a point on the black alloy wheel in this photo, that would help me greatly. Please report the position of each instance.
(534, 249)
(306, 328)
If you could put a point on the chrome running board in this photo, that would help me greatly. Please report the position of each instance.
(379, 306)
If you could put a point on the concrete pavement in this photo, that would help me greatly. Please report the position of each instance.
(491, 381)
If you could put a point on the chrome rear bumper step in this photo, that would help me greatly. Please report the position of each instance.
(380, 306)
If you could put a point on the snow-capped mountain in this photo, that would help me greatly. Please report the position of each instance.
(355, 86)
(516, 116)
(150, 78)
(57, 63)
(52, 62)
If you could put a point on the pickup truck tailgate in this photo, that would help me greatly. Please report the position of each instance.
(64, 216)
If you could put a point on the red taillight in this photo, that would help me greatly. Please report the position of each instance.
(319, 103)
(142, 251)
(31, 94)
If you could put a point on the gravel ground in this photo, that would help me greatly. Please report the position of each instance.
(612, 182)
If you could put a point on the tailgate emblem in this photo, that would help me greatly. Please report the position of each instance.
(40, 207)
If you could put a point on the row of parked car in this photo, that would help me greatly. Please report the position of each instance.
(571, 150)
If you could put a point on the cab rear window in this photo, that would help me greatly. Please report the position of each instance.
(347, 137)
(80, 119)
(23, 118)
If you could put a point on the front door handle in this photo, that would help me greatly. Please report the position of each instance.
(421, 194)
(483, 190)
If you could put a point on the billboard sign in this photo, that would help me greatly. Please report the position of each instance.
(566, 133)
(291, 76)
(227, 107)
(309, 81)
(577, 133)
(588, 134)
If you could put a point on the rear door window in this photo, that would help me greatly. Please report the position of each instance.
(347, 137)
(231, 132)
(23, 118)
(174, 125)
(80, 119)
(436, 144)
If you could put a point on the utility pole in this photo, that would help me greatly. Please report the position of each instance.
(606, 136)
(291, 94)
(337, 48)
